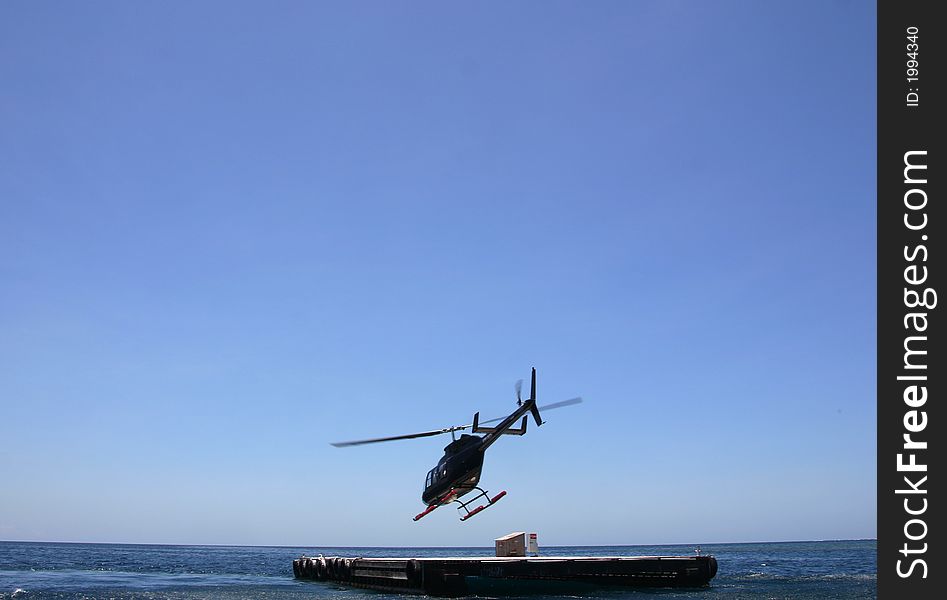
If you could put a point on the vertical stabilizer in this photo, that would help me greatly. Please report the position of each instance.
(532, 399)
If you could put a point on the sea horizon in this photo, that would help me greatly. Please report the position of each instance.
(429, 547)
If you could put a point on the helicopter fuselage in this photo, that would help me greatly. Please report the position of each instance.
(458, 470)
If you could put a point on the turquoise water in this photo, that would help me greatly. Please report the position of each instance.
(768, 571)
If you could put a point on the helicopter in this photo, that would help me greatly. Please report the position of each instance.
(457, 473)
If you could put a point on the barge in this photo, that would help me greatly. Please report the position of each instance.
(507, 575)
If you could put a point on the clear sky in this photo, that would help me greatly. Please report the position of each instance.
(233, 232)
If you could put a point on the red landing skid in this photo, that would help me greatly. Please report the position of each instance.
(489, 503)
(447, 498)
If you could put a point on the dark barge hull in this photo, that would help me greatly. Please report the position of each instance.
(496, 576)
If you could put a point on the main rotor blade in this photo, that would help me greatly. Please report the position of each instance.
(412, 436)
(560, 404)
(409, 436)
(554, 405)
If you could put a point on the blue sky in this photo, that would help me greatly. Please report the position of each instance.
(231, 233)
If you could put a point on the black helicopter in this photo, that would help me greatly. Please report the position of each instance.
(458, 471)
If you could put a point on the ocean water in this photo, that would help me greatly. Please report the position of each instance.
(791, 570)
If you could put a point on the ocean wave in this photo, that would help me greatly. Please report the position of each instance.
(813, 577)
